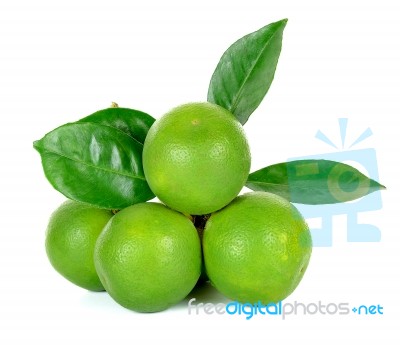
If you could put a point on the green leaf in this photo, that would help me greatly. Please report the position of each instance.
(133, 122)
(94, 163)
(313, 182)
(246, 70)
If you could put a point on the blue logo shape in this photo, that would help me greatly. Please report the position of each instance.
(356, 232)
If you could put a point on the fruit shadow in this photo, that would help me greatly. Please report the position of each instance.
(203, 293)
(100, 300)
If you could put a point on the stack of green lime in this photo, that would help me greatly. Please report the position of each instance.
(148, 256)
(253, 248)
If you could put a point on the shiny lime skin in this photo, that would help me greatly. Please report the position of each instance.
(70, 240)
(196, 158)
(257, 248)
(148, 257)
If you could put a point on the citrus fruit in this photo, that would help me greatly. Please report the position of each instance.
(70, 239)
(257, 248)
(196, 158)
(148, 257)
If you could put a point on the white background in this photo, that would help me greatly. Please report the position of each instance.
(60, 61)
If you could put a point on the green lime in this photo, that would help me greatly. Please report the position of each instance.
(257, 248)
(196, 158)
(148, 257)
(70, 239)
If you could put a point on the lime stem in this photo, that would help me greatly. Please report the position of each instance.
(200, 223)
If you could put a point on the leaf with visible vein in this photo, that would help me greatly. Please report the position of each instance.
(246, 70)
(95, 164)
(313, 182)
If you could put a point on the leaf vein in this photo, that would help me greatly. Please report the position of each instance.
(95, 166)
(235, 103)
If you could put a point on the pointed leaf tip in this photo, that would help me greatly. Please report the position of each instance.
(36, 145)
(246, 70)
(313, 182)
